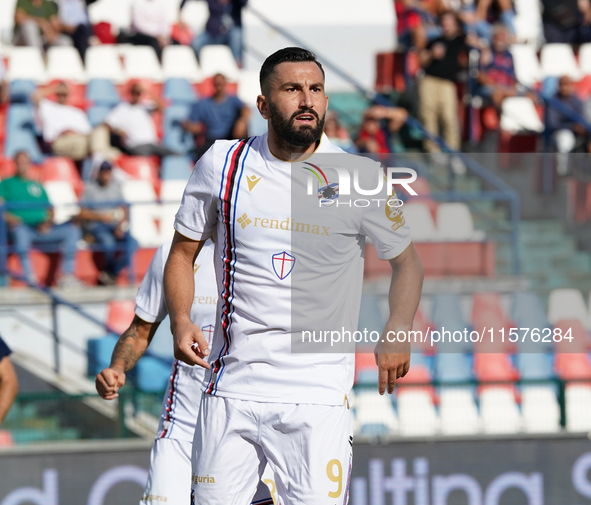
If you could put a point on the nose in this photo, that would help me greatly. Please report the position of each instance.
(306, 99)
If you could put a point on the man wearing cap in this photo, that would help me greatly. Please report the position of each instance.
(105, 220)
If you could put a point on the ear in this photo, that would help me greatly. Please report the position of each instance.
(263, 107)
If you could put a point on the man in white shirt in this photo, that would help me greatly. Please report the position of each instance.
(65, 128)
(132, 123)
(264, 402)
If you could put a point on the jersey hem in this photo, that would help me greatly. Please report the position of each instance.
(335, 400)
(397, 251)
(145, 316)
(191, 234)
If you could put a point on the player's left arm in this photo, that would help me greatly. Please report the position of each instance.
(393, 358)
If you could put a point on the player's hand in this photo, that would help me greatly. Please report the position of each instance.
(108, 383)
(190, 345)
(393, 361)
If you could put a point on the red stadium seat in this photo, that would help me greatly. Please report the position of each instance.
(140, 167)
(494, 367)
(573, 366)
(417, 374)
(421, 187)
(487, 313)
(571, 328)
(487, 304)
(364, 361)
(8, 169)
(6, 439)
(61, 169)
(120, 315)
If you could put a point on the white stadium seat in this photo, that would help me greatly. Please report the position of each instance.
(141, 62)
(455, 223)
(144, 212)
(558, 60)
(458, 412)
(180, 61)
(418, 216)
(528, 21)
(585, 58)
(64, 62)
(195, 15)
(375, 409)
(103, 62)
(26, 63)
(172, 11)
(567, 304)
(63, 198)
(578, 407)
(527, 66)
(499, 411)
(416, 413)
(218, 59)
(518, 113)
(172, 191)
(249, 87)
(7, 8)
(116, 12)
(540, 409)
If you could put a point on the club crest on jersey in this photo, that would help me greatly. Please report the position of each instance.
(283, 263)
(208, 332)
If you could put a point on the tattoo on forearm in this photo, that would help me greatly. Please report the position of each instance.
(125, 348)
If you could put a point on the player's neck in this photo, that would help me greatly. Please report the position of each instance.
(286, 152)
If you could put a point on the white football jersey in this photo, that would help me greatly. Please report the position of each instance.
(274, 265)
(183, 393)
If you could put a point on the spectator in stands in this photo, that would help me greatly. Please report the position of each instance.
(133, 127)
(76, 25)
(105, 220)
(221, 116)
(568, 135)
(561, 20)
(65, 128)
(8, 381)
(476, 16)
(338, 134)
(149, 25)
(372, 137)
(496, 73)
(37, 24)
(438, 98)
(224, 26)
(34, 225)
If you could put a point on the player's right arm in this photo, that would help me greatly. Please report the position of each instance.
(190, 345)
(130, 347)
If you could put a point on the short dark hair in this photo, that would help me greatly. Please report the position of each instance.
(287, 54)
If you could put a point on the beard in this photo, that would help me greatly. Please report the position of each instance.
(285, 129)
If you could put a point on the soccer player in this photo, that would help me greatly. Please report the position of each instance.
(264, 404)
(169, 476)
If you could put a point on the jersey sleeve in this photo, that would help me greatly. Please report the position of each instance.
(149, 301)
(197, 215)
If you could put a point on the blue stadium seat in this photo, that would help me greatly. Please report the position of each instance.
(152, 374)
(550, 86)
(371, 317)
(176, 168)
(374, 430)
(535, 366)
(453, 367)
(21, 116)
(179, 90)
(174, 136)
(447, 314)
(102, 92)
(22, 140)
(528, 312)
(99, 353)
(97, 114)
(21, 90)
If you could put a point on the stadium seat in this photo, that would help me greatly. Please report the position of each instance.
(170, 196)
(458, 411)
(21, 117)
(453, 367)
(141, 62)
(366, 370)
(172, 191)
(499, 411)
(175, 137)
(528, 312)
(144, 213)
(372, 316)
(152, 374)
(420, 220)
(7, 9)
(374, 414)
(526, 64)
(249, 87)
(528, 21)
(447, 314)
(535, 365)
(218, 59)
(97, 114)
(99, 353)
(573, 366)
(519, 114)
(195, 15)
(418, 378)
(568, 304)
(176, 168)
(103, 62)
(120, 313)
(540, 409)
(574, 337)
(180, 62)
(578, 407)
(455, 223)
(490, 367)
(585, 58)
(22, 140)
(558, 60)
(423, 325)
(550, 86)
(115, 12)
(63, 199)
(61, 169)
(416, 413)
(64, 63)
(140, 168)
(102, 91)
(26, 63)
(179, 90)
(488, 304)
(21, 90)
